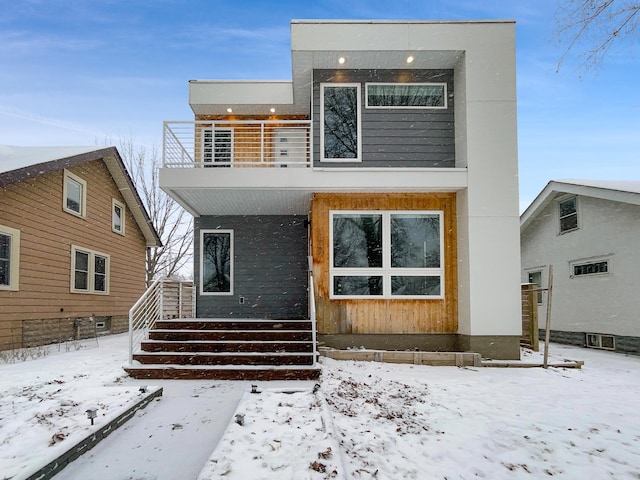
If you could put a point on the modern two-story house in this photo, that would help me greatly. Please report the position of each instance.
(589, 231)
(382, 178)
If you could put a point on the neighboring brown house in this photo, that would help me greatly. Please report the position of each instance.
(73, 240)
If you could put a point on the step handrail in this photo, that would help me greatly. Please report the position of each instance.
(312, 313)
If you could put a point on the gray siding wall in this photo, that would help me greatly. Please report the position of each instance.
(270, 268)
(403, 137)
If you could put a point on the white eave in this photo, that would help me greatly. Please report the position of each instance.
(624, 191)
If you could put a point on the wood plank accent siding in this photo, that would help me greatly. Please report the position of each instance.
(395, 137)
(385, 315)
(34, 207)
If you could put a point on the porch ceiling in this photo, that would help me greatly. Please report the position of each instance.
(288, 191)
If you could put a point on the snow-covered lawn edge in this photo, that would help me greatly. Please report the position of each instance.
(283, 433)
(90, 441)
(74, 433)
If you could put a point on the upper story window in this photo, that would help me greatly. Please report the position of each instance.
(217, 146)
(90, 271)
(216, 257)
(117, 217)
(340, 122)
(568, 212)
(9, 258)
(386, 254)
(406, 95)
(74, 194)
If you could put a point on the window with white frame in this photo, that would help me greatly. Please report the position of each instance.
(386, 254)
(536, 278)
(568, 213)
(216, 262)
(217, 146)
(593, 267)
(406, 95)
(340, 122)
(117, 216)
(89, 271)
(9, 258)
(74, 194)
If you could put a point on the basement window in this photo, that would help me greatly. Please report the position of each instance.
(604, 342)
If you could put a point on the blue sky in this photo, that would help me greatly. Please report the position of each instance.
(76, 72)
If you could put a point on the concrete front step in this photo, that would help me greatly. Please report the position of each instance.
(219, 335)
(184, 372)
(225, 358)
(233, 324)
(226, 346)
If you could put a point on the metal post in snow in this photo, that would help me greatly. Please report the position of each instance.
(548, 325)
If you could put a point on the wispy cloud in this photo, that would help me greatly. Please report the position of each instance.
(48, 121)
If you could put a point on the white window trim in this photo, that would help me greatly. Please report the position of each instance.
(418, 107)
(115, 203)
(83, 204)
(386, 271)
(92, 254)
(231, 266)
(587, 261)
(539, 294)
(358, 87)
(578, 216)
(209, 159)
(14, 259)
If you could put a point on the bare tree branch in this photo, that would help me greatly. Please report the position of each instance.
(173, 224)
(590, 28)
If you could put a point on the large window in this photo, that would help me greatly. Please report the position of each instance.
(74, 194)
(9, 258)
(90, 271)
(216, 266)
(568, 210)
(340, 124)
(386, 254)
(217, 146)
(406, 95)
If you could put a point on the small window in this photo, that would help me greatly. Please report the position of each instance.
(217, 146)
(340, 123)
(568, 210)
(216, 262)
(90, 271)
(536, 278)
(9, 258)
(74, 194)
(117, 217)
(605, 342)
(590, 268)
(406, 95)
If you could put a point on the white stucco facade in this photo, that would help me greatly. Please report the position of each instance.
(608, 231)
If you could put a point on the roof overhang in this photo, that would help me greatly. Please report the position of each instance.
(288, 191)
(319, 44)
(617, 191)
(31, 162)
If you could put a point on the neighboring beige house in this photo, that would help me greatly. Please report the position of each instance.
(590, 232)
(73, 240)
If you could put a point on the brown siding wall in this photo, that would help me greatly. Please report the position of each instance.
(389, 315)
(34, 207)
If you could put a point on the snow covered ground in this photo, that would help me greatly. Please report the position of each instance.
(364, 421)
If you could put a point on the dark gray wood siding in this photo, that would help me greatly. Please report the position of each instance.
(403, 137)
(270, 268)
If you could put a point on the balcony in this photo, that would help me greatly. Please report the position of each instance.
(206, 144)
(265, 168)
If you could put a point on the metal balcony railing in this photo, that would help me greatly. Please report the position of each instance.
(236, 143)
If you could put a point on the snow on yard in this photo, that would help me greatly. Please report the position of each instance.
(365, 420)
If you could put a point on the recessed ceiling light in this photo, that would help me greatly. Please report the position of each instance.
(341, 60)
(272, 110)
(410, 59)
(229, 110)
